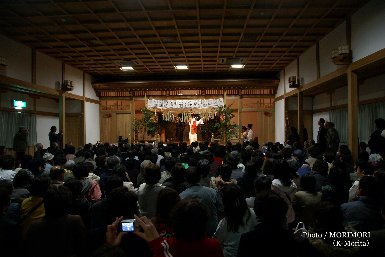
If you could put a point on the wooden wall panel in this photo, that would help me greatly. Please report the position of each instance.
(123, 126)
(74, 130)
(106, 122)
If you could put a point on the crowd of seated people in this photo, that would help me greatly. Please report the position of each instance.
(204, 199)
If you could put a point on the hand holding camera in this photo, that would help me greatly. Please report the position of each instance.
(141, 226)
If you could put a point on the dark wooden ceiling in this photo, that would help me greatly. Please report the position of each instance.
(155, 35)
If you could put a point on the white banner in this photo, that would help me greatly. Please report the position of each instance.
(185, 104)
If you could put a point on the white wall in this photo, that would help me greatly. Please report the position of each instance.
(292, 103)
(308, 66)
(372, 88)
(340, 96)
(43, 125)
(89, 90)
(18, 59)
(308, 103)
(92, 122)
(280, 121)
(47, 105)
(73, 106)
(46, 63)
(331, 41)
(281, 85)
(367, 37)
(368, 29)
(321, 101)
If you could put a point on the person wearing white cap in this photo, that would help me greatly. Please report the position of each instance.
(48, 158)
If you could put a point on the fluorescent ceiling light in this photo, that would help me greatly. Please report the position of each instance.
(181, 67)
(237, 66)
(125, 68)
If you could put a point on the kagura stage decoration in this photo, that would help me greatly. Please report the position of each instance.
(170, 118)
(183, 109)
(185, 104)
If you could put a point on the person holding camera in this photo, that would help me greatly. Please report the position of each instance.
(189, 219)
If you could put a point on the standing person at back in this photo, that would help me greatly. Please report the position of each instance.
(332, 137)
(20, 144)
(376, 142)
(250, 133)
(321, 137)
(54, 137)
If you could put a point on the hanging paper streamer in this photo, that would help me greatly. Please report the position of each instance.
(185, 104)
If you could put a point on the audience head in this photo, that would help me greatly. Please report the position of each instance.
(122, 202)
(323, 221)
(380, 123)
(100, 161)
(76, 187)
(308, 183)
(112, 182)
(192, 175)
(39, 186)
(57, 201)
(235, 206)
(57, 173)
(36, 166)
(178, 172)
(22, 179)
(8, 162)
(271, 210)
(167, 199)
(361, 167)
(121, 171)
(367, 187)
(189, 219)
(80, 171)
(225, 171)
(152, 174)
(112, 161)
(262, 185)
(203, 167)
(321, 167)
(5, 195)
(283, 172)
(169, 163)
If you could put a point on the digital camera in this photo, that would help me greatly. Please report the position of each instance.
(127, 225)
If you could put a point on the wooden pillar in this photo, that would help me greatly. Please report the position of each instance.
(352, 113)
(317, 60)
(33, 66)
(239, 117)
(133, 118)
(300, 124)
(62, 117)
(62, 109)
(83, 110)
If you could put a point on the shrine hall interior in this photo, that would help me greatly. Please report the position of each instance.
(92, 67)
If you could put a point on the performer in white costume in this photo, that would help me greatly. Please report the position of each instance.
(193, 129)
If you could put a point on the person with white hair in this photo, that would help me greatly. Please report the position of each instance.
(39, 151)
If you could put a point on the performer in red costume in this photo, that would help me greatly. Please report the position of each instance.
(194, 128)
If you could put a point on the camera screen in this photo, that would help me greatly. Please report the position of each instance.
(127, 226)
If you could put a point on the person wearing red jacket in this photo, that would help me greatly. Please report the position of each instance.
(189, 225)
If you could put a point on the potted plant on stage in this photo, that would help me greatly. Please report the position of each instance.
(138, 127)
(150, 122)
(225, 128)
